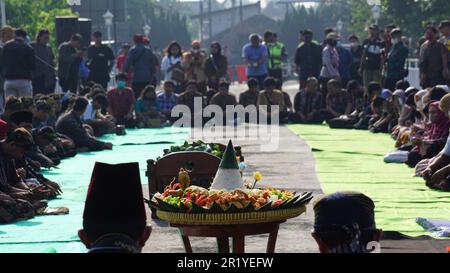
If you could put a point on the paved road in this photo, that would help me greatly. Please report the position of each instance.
(290, 166)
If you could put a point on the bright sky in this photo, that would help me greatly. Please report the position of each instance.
(263, 2)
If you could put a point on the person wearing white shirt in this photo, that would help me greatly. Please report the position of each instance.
(171, 66)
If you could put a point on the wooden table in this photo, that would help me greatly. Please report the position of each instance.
(236, 232)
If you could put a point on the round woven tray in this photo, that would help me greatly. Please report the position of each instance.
(230, 218)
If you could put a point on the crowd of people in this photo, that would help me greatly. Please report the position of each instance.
(360, 87)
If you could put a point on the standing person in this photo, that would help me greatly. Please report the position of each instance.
(255, 56)
(371, 61)
(277, 55)
(194, 62)
(345, 62)
(433, 60)
(142, 61)
(357, 51)
(387, 38)
(100, 61)
(44, 76)
(444, 28)
(308, 58)
(396, 59)
(120, 61)
(330, 61)
(18, 62)
(171, 66)
(70, 57)
(121, 101)
(216, 66)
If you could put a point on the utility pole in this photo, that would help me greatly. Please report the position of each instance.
(201, 20)
(233, 13)
(210, 19)
(241, 12)
(2, 6)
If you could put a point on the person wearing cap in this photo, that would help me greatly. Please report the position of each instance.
(70, 56)
(270, 97)
(308, 58)
(444, 29)
(141, 60)
(433, 60)
(171, 66)
(223, 98)
(100, 61)
(344, 222)
(114, 218)
(194, 64)
(330, 62)
(121, 102)
(255, 56)
(44, 74)
(371, 61)
(167, 99)
(14, 148)
(18, 64)
(396, 59)
(216, 66)
(70, 124)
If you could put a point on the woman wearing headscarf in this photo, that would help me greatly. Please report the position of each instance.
(434, 138)
(216, 66)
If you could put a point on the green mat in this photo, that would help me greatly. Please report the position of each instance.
(353, 160)
(60, 232)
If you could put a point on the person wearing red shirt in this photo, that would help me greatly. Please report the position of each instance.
(121, 102)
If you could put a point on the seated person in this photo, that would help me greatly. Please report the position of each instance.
(402, 85)
(147, 109)
(250, 97)
(188, 99)
(42, 139)
(434, 138)
(41, 114)
(373, 91)
(307, 104)
(436, 93)
(167, 99)
(287, 98)
(388, 115)
(121, 102)
(223, 98)
(345, 223)
(12, 105)
(270, 97)
(100, 123)
(21, 119)
(28, 103)
(11, 182)
(338, 101)
(115, 227)
(70, 124)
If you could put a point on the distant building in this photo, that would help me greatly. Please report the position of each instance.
(222, 20)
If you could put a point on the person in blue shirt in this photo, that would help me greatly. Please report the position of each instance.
(345, 63)
(147, 109)
(255, 56)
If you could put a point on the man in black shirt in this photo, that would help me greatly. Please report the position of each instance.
(100, 61)
(371, 61)
(308, 58)
(70, 56)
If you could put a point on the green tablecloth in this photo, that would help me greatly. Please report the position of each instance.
(60, 232)
(353, 160)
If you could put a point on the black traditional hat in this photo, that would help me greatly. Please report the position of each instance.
(115, 195)
(22, 116)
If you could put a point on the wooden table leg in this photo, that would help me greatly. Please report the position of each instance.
(187, 244)
(239, 244)
(223, 245)
(272, 240)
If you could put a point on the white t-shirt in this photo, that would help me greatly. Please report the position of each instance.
(446, 150)
(90, 112)
(168, 62)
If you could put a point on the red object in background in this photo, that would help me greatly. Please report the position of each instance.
(241, 74)
(448, 249)
(3, 129)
